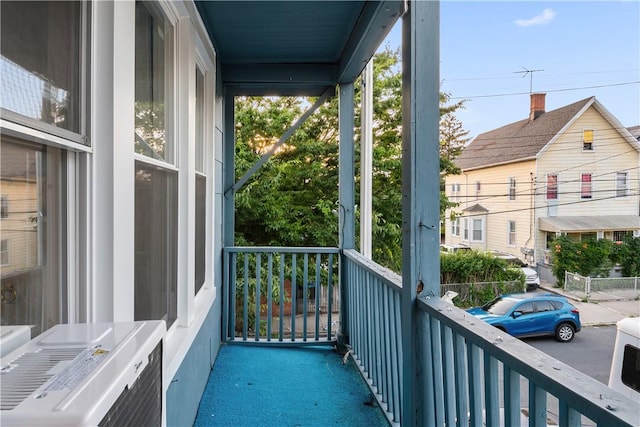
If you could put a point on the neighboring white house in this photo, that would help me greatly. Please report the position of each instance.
(573, 170)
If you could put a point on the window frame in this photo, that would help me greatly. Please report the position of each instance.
(455, 227)
(511, 233)
(481, 229)
(586, 187)
(168, 164)
(465, 230)
(4, 206)
(588, 143)
(511, 189)
(627, 185)
(552, 189)
(23, 125)
(5, 252)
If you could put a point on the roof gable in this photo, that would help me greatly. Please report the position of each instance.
(518, 141)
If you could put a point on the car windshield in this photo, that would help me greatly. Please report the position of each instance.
(499, 306)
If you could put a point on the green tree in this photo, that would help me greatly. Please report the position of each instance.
(629, 256)
(588, 258)
(293, 199)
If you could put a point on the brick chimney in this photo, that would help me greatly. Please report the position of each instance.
(537, 105)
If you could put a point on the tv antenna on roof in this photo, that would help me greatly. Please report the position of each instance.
(530, 73)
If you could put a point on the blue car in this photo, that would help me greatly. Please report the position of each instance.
(529, 315)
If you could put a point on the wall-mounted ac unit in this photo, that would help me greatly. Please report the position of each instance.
(12, 337)
(95, 374)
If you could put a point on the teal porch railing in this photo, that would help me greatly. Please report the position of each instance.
(470, 373)
(280, 296)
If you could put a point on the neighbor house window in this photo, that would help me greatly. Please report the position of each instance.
(4, 206)
(478, 187)
(585, 186)
(511, 239)
(4, 252)
(622, 184)
(201, 184)
(512, 188)
(552, 187)
(455, 227)
(465, 230)
(478, 230)
(455, 191)
(587, 140)
(619, 236)
(156, 184)
(42, 66)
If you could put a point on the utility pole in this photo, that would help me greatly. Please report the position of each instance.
(530, 73)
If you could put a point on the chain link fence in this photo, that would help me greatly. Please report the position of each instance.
(619, 287)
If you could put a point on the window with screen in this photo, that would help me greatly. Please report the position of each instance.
(156, 177)
(43, 65)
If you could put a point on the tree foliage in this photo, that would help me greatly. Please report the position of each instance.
(293, 199)
(594, 257)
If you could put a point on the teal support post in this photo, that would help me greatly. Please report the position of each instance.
(420, 203)
(346, 206)
(228, 224)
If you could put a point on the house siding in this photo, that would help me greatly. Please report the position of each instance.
(494, 196)
(563, 156)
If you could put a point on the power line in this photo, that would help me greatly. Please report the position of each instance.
(545, 207)
(546, 91)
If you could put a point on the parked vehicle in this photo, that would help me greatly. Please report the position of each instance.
(453, 248)
(528, 315)
(532, 280)
(625, 365)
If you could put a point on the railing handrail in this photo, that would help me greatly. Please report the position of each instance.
(595, 400)
(281, 249)
(386, 275)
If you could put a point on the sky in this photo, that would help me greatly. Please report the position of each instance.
(583, 49)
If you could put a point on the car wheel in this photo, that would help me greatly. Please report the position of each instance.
(565, 332)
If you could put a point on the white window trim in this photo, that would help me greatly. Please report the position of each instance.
(512, 180)
(627, 189)
(546, 189)
(590, 182)
(482, 230)
(465, 229)
(593, 142)
(515, 237)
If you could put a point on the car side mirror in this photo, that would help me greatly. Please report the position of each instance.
(516, 314)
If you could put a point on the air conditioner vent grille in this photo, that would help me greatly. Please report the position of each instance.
(24, 375)
(141, 404)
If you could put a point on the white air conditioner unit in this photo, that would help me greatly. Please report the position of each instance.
(12, 337)
(95, 374)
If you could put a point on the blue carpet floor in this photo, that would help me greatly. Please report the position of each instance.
(257, 386)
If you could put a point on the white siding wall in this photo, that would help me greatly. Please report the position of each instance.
(564, 156)
(611, 153)
(494, 196)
